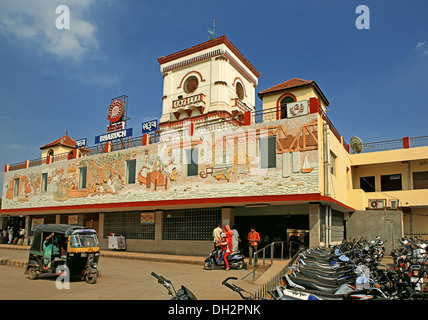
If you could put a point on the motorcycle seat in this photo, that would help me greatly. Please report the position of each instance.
(329, 273)
(331, 280)
(314, 284)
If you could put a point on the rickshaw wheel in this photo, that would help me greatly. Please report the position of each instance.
(91, 278)
(32, 273)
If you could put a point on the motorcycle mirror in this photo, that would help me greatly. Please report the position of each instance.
(343, 258)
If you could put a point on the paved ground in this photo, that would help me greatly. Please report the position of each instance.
(126, 275)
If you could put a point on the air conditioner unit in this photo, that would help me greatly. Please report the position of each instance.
(393, 204)
(377, 203)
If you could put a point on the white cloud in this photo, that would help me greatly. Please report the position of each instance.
(34, 22)
(420, 44)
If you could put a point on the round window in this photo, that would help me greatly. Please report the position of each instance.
(191, 84)
(239, 91)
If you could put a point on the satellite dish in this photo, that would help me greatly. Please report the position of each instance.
(356, 144)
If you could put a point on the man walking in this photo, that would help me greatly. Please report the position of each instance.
(253, 239)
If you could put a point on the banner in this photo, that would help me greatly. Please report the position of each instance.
(37, 222)
(147, 217)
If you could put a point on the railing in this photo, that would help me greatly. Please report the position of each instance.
(395, 144)
(258, 116)
(265, 115)
(422, 235)
(270, 285)
(272, 253)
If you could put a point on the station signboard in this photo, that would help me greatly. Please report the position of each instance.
(149, 126)
(113, 136)
(81, 143)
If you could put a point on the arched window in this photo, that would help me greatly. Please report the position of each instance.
(71, 155)
(239, 91)
(283, 105)
(51, 155)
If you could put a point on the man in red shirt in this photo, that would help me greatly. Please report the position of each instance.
(253, 239)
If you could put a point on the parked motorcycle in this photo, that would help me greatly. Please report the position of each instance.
(411, 271)
(353, 270)
(182, 294)
(235, 260)
(328, 274)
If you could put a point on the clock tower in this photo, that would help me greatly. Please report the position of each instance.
(212, 80)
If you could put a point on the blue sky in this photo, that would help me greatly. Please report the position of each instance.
(56, 80)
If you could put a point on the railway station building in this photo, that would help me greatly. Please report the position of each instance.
(213, 158)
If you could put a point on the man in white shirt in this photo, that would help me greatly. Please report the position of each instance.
(216, 234)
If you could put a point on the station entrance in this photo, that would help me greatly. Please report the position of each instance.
(273, 228)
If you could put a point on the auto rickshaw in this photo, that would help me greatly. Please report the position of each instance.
(74, 247)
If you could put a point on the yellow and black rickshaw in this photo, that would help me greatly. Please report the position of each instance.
(73, 248)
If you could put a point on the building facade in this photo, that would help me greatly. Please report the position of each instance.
(215, 159)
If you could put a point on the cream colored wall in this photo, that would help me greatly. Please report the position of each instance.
(402, 161)
(340, 182)
(217, 83)
(57, 150)
(270, 100)
(416, 221)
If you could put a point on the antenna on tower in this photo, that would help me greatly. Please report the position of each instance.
(212, 31)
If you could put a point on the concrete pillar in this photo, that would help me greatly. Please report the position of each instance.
(57, 219)
(27, 229)
(100, 225)
(314, 224)
(158, 225)
(146, 139)
(227, 217)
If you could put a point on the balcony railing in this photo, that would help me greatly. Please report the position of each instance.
(403, 143)
(213, 124)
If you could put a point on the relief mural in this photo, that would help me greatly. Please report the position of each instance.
(227, 164)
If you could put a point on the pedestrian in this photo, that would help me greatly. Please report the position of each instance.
(229, 234)
(294, 241)
(223, 247)
(48, 249)
(216, 235)
(10, 231)
(253, 239)
(4, 240)
(235, 239)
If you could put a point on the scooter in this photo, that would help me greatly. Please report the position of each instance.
(235, 260)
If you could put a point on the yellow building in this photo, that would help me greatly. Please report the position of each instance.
(215, 159)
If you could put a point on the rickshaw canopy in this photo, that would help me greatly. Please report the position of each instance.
(65, 229)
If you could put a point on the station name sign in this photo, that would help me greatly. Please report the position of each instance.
(116, 126)
(149, 126)
(187, 101)
(81, 143)
(113, 135)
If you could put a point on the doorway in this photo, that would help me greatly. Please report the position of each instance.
(92, 220)
(271, 228)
